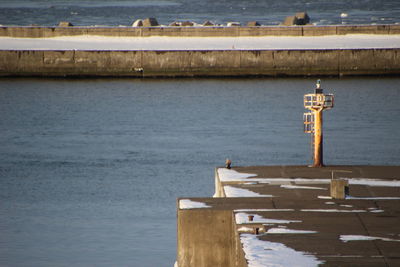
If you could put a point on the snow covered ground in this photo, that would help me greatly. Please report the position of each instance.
(87, 42)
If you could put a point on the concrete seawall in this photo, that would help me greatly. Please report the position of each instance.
(40, 32)
(287, 216)
(200, 63)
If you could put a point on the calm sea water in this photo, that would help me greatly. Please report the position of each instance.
(90, 169)
(125, 12)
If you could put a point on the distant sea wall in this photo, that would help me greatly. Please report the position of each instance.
(200, 63)
(205, 31)
(197, 63)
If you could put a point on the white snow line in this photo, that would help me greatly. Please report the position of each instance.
(330, 210)
(243, 218)
(229, 175)
(372, 198)
(347, 238)
(260, 253)
(189, 204)
(302, 187)
(231, 191)
(266, 210)
(374, 182)
(324, 197)
(245, 229)
(289, 231)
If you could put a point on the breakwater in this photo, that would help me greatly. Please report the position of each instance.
(257, 212)
(200, 63)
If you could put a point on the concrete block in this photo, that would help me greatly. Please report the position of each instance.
(253, 24)
(205, 238)
(137, 23)
(290, 21)
(65, 24)
(208, 23)
(302, 18)
(150, 22)
(339, 188)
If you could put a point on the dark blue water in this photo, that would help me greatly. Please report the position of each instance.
(125, 12)
(90, 169)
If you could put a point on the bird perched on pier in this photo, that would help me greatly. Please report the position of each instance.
(228, 163)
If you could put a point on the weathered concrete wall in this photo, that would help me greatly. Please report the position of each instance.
(38, 32)
(205, 238)
(201, 63)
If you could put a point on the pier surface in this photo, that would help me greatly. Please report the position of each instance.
(266, 215)
(157, 43)
(196, 52)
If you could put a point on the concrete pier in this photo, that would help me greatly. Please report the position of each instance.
(200, 63)
(318, 51)
(267, 214)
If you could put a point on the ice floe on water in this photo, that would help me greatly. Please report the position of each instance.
(265, 253)
(189, 204)
(231, 191)
(347, 238)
